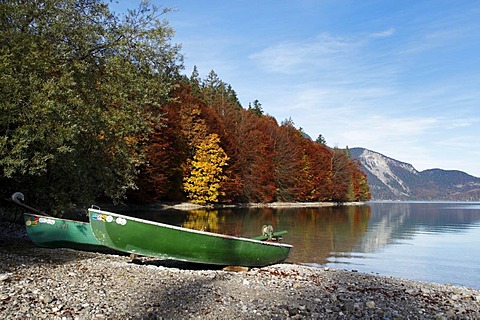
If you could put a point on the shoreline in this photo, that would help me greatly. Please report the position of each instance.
(68, 284)
(193, 206)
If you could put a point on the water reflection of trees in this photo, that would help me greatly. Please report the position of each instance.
(314, 232)
(319, 233)
(203, 220)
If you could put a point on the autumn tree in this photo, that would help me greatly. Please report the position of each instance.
(193, 126)
(360, 185)
(222, 114)
(321, 157)
(287, 161)
(255, 159)
(340, 175)
(203, 183)
(314, 184)
(161, 177)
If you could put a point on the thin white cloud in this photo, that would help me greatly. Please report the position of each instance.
(461, 123)
(347, 62)
(299, 56)
(384, 34)
(379, 130)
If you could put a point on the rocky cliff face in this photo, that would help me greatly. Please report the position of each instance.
(390, 179)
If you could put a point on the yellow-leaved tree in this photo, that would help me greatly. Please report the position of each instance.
(203, 184)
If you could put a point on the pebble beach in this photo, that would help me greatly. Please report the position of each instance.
(40, 283)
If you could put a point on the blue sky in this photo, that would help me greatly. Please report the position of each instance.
(398, 77)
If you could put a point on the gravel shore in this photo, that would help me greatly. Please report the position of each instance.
(42, 283)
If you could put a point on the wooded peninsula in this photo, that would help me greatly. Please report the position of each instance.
(94, 105)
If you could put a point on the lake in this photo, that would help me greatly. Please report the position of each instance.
(428, 241)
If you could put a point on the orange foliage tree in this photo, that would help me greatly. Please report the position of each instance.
(203, 183)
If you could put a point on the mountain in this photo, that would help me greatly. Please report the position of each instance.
(390, 179)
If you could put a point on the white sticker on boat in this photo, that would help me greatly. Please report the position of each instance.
(109, 219)
(46, 220)
(121, 221)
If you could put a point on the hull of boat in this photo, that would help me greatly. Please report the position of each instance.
(51, 232)
(165, 241)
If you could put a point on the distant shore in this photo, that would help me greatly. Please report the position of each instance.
(193, 206)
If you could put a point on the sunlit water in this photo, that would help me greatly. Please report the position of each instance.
(434, 241)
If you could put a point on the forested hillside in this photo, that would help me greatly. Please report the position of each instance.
(94, 105)
(210, 149)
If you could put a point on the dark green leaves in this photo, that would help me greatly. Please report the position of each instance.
(81, 89)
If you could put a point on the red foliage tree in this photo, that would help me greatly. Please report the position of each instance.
(316, 184)
(287, 157)
(162, 177)
(361, 191)
(255, 160)
(341, 175)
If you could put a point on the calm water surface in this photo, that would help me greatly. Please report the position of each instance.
(430, 241)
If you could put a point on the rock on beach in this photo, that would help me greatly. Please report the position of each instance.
(41, 283)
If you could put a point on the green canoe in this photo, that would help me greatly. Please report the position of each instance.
(165, 241)
(51, 232)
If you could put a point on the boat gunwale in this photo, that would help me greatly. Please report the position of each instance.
(56, 218)
(169, 226)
